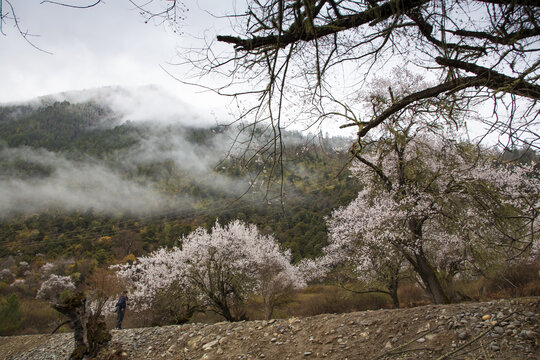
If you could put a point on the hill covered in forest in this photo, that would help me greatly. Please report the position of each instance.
(85, 178)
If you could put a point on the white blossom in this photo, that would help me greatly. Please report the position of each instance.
(432, 198)
(51, 288)
(229, 261)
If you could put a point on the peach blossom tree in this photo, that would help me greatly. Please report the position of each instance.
(216, 270)
(440, 205)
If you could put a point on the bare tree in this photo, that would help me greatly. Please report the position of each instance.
(292, 56)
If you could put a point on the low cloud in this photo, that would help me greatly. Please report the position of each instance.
(113, 185)
(138, 104)
(54, 181)
(74, 186)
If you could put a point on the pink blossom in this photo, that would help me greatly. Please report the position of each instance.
(51, 288)
(228, 261)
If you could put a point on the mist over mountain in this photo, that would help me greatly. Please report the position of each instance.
(82, 153)
(138, 154)
(143, 103)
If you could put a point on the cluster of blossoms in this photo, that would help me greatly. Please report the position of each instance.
(438, 182)
(228, 263)
(51, 288)
(47, 268)
(18, 283)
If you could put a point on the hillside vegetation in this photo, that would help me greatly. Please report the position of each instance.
(53, 154)
(84, 188)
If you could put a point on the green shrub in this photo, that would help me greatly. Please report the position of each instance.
(10, 315)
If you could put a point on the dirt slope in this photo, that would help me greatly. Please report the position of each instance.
(506, 329)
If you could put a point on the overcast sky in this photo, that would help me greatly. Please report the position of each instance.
(108, 44)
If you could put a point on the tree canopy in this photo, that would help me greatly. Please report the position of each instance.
(440, 206)
(311, 58)
(215, 270)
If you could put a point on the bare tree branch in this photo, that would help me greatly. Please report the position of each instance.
(294, 34)
(495, 80)
(452, 85)
(70, 5)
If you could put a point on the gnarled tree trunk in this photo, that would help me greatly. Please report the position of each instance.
(393, 291)
(430, 279)
(90, 331)
(422, 266)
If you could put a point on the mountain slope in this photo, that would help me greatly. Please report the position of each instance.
(72, 173)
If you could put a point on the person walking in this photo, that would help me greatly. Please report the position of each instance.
(121, 309)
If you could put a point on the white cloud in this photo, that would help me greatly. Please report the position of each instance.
(74, 185)
(148, 103)
(107, 45)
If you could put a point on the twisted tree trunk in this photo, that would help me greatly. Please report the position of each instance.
(430, 279)
(422, 266)
(89, 330)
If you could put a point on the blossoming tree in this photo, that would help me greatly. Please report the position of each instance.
(215, 270)
(53, 286)
(443, 205)
(439, 204)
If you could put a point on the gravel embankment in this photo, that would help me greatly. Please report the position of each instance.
(505, 329)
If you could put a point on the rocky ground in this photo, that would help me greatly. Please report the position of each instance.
(505, 329)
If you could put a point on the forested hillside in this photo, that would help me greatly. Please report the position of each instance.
(165, 163)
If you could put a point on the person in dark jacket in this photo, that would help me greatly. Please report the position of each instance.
(121, 309)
